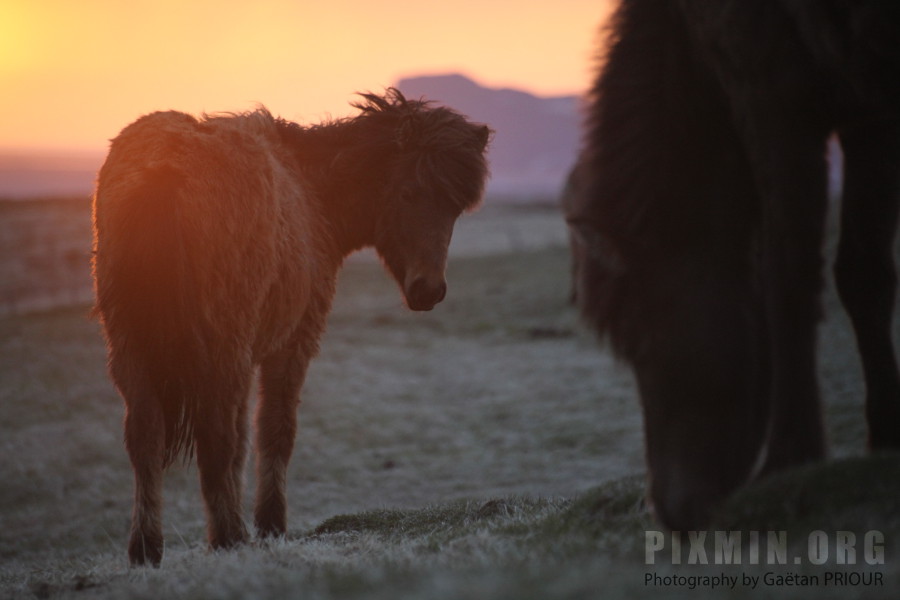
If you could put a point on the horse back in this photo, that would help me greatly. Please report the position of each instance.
(203, 230)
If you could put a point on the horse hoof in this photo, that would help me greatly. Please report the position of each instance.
(143, 551)
(269, 531)
(229, 540)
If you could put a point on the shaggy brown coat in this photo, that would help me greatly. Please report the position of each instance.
(217, 244)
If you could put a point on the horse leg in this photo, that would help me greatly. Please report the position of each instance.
(281, 377)
(236, 473)
(145, 441)
(864, 270)
(791, 176)
(219, 435)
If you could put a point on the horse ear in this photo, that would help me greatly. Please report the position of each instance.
(484, 136)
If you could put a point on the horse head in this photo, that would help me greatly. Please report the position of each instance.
(436, 172)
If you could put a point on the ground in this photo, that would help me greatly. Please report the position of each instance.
(489, 448)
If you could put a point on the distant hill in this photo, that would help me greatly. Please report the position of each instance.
(30, 174)
(534, 146)
(536, 140)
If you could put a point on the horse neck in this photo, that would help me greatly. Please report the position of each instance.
(348, 173)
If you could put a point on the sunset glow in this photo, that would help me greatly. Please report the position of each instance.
(72, 74)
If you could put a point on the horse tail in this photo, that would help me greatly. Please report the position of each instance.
(147, 283)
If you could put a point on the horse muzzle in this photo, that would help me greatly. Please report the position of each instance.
(423, 294)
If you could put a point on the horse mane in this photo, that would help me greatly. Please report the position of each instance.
(393, 99)
(391, 127)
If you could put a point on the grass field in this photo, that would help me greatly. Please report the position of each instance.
(489, 449)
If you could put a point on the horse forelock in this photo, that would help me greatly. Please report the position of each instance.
(460, 175)
(443, 148)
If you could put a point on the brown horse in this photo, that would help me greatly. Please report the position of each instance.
(217, 243)
(704, 218)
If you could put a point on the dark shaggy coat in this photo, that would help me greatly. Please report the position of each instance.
(704, 218)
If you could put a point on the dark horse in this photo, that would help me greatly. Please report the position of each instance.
(704, 220)
(217, 243)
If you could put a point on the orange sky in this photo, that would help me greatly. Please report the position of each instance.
(72, 74)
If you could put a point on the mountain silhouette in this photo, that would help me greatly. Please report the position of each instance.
(536, 140)
(534, 146)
